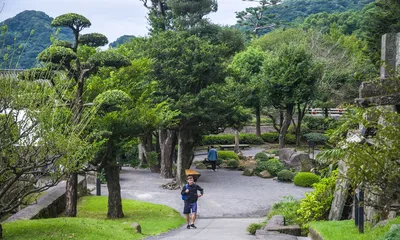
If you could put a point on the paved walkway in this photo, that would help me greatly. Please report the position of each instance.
(230, 203)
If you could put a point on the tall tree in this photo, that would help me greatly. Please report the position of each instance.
(78, 65)
(247, 66)
(290, 78)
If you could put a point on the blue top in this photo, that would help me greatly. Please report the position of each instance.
(212, 155)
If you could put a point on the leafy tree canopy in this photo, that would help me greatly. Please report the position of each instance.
(121, 40)
(93, 39)
(72, 20)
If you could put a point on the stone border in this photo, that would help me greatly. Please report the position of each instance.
(49, 205)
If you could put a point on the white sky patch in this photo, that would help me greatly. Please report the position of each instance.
(113, 18)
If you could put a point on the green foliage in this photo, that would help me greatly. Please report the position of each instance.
(316, 205)
(34, 74)
(305, 179)
(252, 228)
(109, 58)
(393, 234)
(270, 137)
(227, 155)
(93, 39)
(102, 176)
(261, 156)
(121, 40)
(250, 139)
(233, 163)
(71, 20)
(230, 139)
(273, 166)
(25, 36)
(287, 208)
(290, 138)
(319, 123)
(57, 55)
(317, 138)
(285, 175)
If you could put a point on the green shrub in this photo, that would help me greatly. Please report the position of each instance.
(316, 205)
(274, 166)
(218, 139)
(261, 166)
(287, 208)
(290, 138)
(393, 233)
(319, 123)
(261, 156)
(270, 137)
(227, 155)
(275, 152)
(252, 228)
(285, 175)
(317, 138)
(250, 139)
(305, 179)
(232, 163)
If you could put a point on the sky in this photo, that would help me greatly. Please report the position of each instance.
(112, 18)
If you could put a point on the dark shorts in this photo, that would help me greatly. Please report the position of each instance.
(190, 207)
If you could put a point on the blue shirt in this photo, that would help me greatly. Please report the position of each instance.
(212, 155)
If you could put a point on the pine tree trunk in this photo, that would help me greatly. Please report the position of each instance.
(167, 139)
(236, 149)
(185, 154)
(71, 195)
(114, 192)
(1, 231)
(285, 125)
(146, 146)
(258, 121)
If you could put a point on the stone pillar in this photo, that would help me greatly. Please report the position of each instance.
(390, 54)
(340, 195)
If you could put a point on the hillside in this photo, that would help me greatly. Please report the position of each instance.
(292, 12)
(121, 40)
(26, 35)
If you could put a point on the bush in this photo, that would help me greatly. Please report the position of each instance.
(305, 179)
(290, 138)
(230, 139)
(274, 166)
(316, 205)
(317, 138)
(393, 233)
(287, 208)
(285, 175)
(227, 155)
(261, 166)
(233, 163)
(252, 228)
(275, 152)
(270, 137)
(319, 123)
(261, 156)
(250, 139)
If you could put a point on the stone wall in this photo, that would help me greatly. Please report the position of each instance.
(49, 205)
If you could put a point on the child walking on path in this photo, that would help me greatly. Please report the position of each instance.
(189, 192)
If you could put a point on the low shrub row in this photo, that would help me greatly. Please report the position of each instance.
(246, 138)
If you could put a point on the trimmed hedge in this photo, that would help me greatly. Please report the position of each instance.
(305, 179)
(233, 163)
(261, 156)
(317, 138)
(227, 155)
(285, 175)
(319, 123)
(245, 138)
(273, 137)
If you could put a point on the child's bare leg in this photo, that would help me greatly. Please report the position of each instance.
(193, 217)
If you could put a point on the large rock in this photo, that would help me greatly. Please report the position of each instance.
(136, 226)
(265, 174)
(248, 171)
(292, 159)
(201, 166)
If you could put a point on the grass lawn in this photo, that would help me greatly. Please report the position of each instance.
(345, 230)
(92, 223)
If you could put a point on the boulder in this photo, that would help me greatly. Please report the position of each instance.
(248, 171)
(136, 227)
(251, 164)
(292, 159)
(201, 166)
(265, 174)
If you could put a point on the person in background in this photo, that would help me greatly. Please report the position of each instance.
(212, 157)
